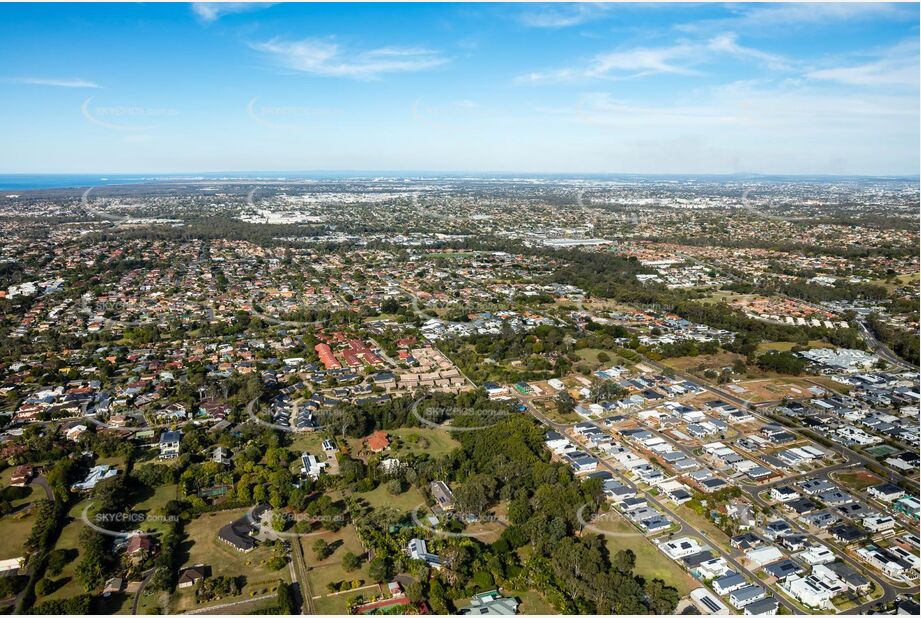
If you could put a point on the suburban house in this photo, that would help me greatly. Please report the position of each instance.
(96, 474)
(418, 550)
(490, 603)
(378, 441)
(190, 576)
(444, 499)
(22, 475)
(169, 444)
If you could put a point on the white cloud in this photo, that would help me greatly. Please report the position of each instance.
(58, 83)
(680, 59)
(212, 11)
(563, 15)
(748, 105)
(763, 126)
(896, 66)
(796, 14)
(329, 59)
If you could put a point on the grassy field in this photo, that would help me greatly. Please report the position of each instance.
(728, 296)
(17, 525)
(707, 361)
(311, 441)
(153, 506)
(532, 603)
(714, 534)
(33, 493)
(322, 572)
(898, 281)
(650, 562)
(67, 584)
(786, 346)
(857, 480)
(203, 547)
(589, 358)
(435, 442)
(16, 528)
(491, 527)
(405, 502)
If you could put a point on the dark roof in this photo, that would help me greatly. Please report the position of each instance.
(170, 436)
(762, 606)
(237, 534)
(696, 559)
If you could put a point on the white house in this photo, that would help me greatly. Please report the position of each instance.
(169, 444)
(311, 466)
(418, 550)
(96, 474)
(811, 591)
(879, 523)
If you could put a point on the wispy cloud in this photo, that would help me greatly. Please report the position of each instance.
(562, 15)
(212, 11)
(57, 83)
(751, 105)
(681, 58)
(896, 66)
(759, 17)
(330, 59)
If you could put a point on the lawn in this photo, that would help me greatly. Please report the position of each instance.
(32, 493)
(589, 357)
(67, 585)
(119, 603)
(532, 603)
(405, 502)
(16, 528)
(322, 572)
(650, 562)
(203, 547)
(153, 505)
(435, 442)
(311, 442)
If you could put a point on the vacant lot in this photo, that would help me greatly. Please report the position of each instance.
(650, 562)
(786, 346)
(322, 572)
(589, 358)
(311, 441)
(702, 361)
(434, 442)
(405, 502)
(857, 480)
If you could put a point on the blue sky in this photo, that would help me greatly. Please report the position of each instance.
(714, 88)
